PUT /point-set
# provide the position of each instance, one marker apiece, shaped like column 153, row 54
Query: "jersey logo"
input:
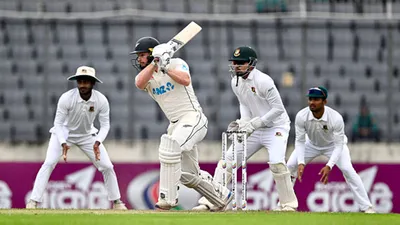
column 185, row 68
column 325, row 128
column 237, row 52
column 163, row 89
column 91, row 109
column 253, row 89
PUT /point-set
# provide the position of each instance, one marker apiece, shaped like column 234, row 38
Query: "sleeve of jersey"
column 338, row 134
column 147, row 86
column 104, row 119
column 61, row 115
column 274, row 100
column 300, row 141
column 182, row 66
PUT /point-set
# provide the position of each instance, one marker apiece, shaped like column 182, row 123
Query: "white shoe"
column 370, row 210
column 288, row 209
column 205, row 205
column 164, row 205
column 31, row 204
column 201, row 208
column 119, row 206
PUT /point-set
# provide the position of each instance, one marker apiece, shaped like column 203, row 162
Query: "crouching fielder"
column 320, row 131
column 264, row 118
column 73, row 124
column 167, row 81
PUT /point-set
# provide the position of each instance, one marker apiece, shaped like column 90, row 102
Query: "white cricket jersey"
column 174, row 99
column 76, row 116
column 258, row 97
column 323, row 133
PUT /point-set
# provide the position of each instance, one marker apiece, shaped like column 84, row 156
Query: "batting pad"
column 170, row 169
column 202, row 183
column 284, row 185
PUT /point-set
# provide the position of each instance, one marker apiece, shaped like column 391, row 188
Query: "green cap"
column 318, row 92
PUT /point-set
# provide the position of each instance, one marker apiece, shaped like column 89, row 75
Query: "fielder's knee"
column 348, row 172
column 105, row 167
column 278, row 168
column 49, row 164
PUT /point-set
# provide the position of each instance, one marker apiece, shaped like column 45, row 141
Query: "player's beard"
column 85, row 91
column 314, row 108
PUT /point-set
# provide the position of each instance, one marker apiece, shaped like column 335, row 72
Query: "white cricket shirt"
column 76, row 116
column 323, row 133
column 174, row 99
column 258, row 97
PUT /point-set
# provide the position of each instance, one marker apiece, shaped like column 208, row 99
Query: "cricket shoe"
column 205, row 205
column 31, row 204
column 162, row 204
column 370, row 210
column 119, row 205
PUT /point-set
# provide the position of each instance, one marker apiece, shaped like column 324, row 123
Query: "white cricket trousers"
column 344, row 164
column 54, row 152
column 188, row 131
column 273, row 139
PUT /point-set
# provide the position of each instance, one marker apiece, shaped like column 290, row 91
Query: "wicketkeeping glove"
column 250, row 126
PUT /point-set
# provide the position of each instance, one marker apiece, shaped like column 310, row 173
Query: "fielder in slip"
column 73, row 124
column 320, row 131
column 167, row 81
column 264, row 118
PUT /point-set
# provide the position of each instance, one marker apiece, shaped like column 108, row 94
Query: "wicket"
column 234, row 166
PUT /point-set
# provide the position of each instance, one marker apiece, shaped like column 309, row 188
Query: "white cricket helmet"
column 85, row 71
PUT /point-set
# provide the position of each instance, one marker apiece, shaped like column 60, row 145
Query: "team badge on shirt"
column 91, row 109
column 253, row 89
column 325, row 128
column 278, row 134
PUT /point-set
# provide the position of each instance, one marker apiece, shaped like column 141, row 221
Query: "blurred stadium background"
column 352, row 47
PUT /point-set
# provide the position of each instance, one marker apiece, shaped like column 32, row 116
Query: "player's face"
column 85, row 86
column 143, row 59
column 239, row 67
column 316, row 104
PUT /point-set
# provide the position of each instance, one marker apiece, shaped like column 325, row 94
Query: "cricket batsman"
column 167, row 80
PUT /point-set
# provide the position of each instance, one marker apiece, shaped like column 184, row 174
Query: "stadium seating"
column 348, row 57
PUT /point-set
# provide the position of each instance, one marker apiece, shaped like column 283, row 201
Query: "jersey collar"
column 323, row 118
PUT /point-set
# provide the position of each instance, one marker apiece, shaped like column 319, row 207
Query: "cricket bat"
column 184, row 36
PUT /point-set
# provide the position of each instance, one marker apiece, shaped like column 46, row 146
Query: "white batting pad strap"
column 219, row 172
column 170, row 169
column 284, row 185
column 212, row 191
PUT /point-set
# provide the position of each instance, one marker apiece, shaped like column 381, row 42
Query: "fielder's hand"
column 300, row 171
column 65, row 148
column 96, row 150
column 325, row 173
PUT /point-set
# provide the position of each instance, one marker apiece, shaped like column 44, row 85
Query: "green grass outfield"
column 131, row 217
